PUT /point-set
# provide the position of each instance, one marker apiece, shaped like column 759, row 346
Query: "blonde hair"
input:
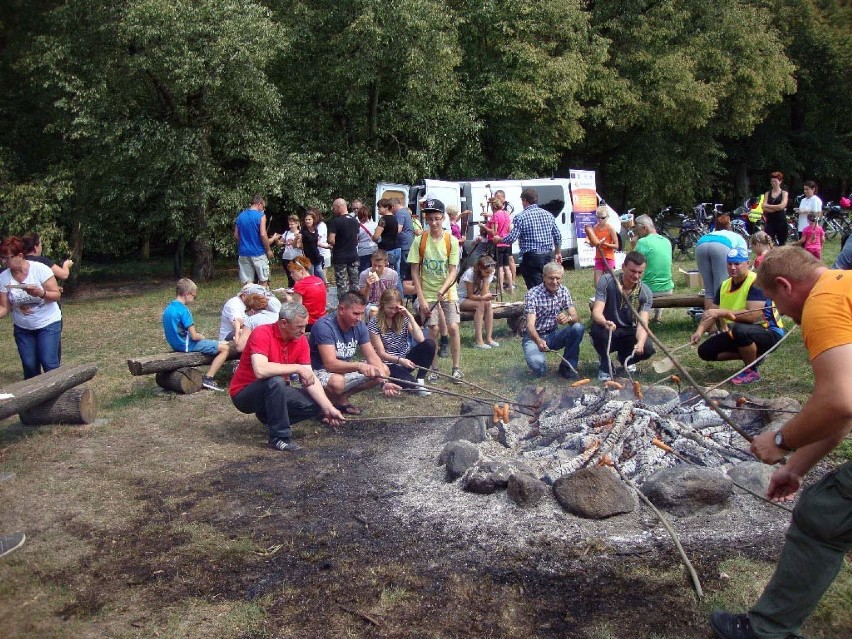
column 790, row 262
column 395, row 323
column 184, row 286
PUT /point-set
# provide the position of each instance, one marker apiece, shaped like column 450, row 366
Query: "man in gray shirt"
column 405, row 236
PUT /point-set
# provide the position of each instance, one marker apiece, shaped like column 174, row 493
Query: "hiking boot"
column 457, row 375
column 748, row 376
column 210, row 383
column 284, row 445
column 444, row 348
column 730, row 626
column 8, row 543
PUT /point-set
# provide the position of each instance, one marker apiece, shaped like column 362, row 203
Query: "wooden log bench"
column 55, row 397
column 174, row 371
column 512, row 312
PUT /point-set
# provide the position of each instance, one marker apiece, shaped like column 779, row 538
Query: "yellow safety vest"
column 756, row 213
column 736, row 300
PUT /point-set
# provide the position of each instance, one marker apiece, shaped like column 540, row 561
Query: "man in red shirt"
column 273, row 354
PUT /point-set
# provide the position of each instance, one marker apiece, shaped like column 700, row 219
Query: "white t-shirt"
column 31, row 313
column 810, row 204
column 468, row 277
column 290, row 251
column 233, row 309
column 322, row 237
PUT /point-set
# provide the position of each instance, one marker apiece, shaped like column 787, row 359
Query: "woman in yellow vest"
column 744, row 336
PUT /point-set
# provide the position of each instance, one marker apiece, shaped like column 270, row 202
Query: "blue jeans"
column 568, row 337
column 276, row 405
column 39, row 349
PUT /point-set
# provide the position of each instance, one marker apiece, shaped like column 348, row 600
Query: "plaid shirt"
column 546, row 306
column 535, row 229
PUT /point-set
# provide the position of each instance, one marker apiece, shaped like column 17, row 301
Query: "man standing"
column 820, row 534
column 749, row 334
column 434, row 262
column 405, row 236
column 273, row 353
column 343, row 238
column 253, row 243
column 615, row 323
column 538, row 237
column 334, row 341
column 658, row 257
column 548, row 307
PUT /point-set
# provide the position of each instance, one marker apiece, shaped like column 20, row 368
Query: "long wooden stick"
column 441, row 391
column 482, row 388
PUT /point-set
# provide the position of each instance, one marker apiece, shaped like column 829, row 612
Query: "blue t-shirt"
column 326, row 330
column 177, row 319
column 248, row 226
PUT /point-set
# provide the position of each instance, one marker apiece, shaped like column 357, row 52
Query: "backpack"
column 423, row 239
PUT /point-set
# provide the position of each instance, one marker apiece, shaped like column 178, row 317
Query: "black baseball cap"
column 431, row 204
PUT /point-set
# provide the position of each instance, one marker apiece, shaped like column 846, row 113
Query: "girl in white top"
column 29, row 291
column 475, row 295
column 809, row 204
column 291, row 240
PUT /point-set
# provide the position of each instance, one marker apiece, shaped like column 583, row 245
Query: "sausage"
column 590, row 236
column 613, row 384
column 637, row 390
column 580, row 382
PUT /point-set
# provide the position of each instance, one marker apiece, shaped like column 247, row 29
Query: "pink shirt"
column 814, row 236
column 501, row 224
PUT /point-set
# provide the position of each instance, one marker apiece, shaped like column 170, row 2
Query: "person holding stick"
column 820, row 533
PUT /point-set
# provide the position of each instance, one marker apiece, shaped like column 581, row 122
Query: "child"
column 812, row 237
column 374, row 281
column 608, row 241
column 760, row 244
column 182, row 336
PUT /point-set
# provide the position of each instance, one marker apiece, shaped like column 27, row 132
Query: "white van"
column 554, row 195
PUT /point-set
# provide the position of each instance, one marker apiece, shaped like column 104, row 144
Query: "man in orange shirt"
column 820, row 535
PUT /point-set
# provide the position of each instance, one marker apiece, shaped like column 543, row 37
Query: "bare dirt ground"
column 173, row 520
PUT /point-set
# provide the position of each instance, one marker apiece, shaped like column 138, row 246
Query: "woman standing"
column 291, row 240
column 391, row 330
column 711, row 254
column 366, row 245
column 475, row 295
column 29, row 290
column 310, row 243
column 811, row 203
column 774, row 207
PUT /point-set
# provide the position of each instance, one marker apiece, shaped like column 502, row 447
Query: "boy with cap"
column 434, row 262
column 752, row 325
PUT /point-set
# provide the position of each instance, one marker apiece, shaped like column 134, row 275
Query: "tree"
column 170, row 111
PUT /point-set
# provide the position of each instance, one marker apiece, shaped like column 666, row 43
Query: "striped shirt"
column 546, row 306
column 535, row 230
column 396, row 344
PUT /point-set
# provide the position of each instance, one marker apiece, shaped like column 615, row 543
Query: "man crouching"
column 275, row 352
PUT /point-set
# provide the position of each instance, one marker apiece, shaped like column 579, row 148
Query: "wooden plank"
column 38, row 390
column 168, row 362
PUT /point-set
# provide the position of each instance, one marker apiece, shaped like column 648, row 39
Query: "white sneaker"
column 485, row 347
column 494, row 344
column 421, row 392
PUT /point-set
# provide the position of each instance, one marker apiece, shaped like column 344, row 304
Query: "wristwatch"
column 779, row 440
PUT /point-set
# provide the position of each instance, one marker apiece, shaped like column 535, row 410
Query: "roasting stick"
column 483, row 389
column 692, row 574
column 657, row 342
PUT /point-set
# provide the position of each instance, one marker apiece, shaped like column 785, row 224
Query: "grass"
column 105, row 506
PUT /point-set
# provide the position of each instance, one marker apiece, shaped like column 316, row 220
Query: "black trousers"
column 532, row 265
column 276, row 404
column 623, row 341
column 421, row 354
column 741, row 335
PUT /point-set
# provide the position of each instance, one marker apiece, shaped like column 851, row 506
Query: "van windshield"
column 551, row 198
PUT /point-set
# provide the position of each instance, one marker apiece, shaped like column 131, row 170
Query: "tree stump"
column 37, row 390
column 75, row 406
column 184, row 380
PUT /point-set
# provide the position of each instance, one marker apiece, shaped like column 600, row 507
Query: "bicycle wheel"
column 686, row 242
column 831, row 229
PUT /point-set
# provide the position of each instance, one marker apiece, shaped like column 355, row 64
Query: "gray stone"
column 458, row 457
column 753, row 475
column 594, row 493
column 776, row 419
column 525, row 490
column 683, row 489
column 486, row 477
column 510, row 434
column 472, row 429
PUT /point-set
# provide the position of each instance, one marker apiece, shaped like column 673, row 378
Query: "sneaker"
column 730, row 626
column 210, row 383
column 604, row 376
column 631, row 368
column 284, row 445
column 566, row 373
column 8, row 543
column 494, row 344
column 484, row 347
column 748, row 376
column 432, row 376
column 457, row 374
column 422, row 392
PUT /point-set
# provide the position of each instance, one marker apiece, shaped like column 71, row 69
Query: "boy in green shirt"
column 434, row 260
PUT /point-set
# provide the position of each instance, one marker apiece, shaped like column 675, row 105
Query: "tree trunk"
column 38, row 390
column 183, row 380
column 168, row 362
column 74, row 406
column 146, row 246
column 76, row 249
column 202, row 253
column 180, row 253
column 742, row 186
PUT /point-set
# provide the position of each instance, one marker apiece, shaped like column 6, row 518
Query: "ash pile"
column 676, row 449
